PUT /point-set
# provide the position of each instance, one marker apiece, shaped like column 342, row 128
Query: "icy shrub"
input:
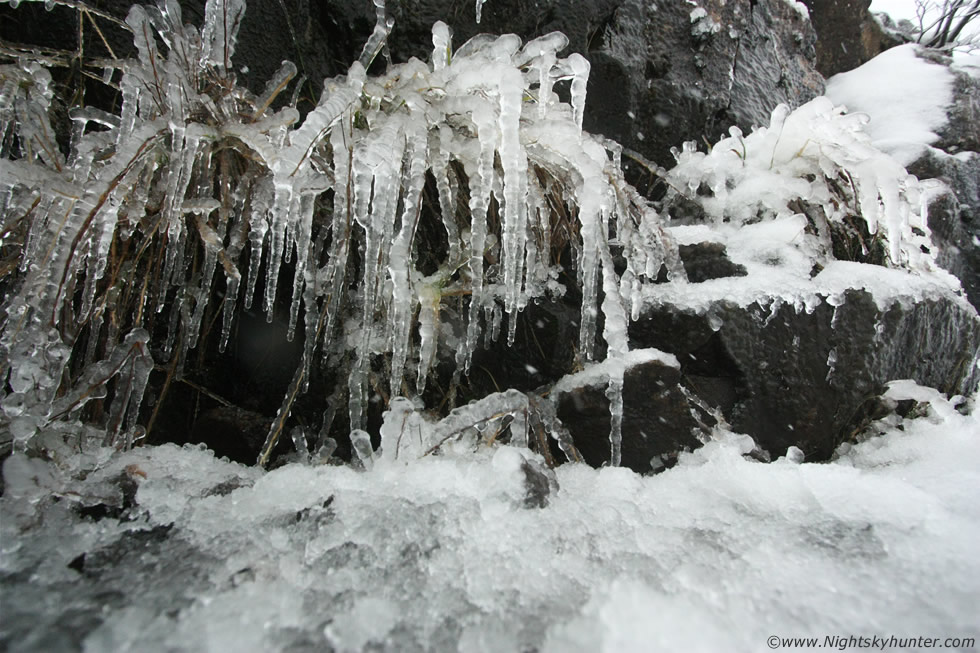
column 860, row 204
column 123, row 252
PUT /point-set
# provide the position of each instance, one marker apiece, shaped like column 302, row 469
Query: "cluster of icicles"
column 195, row 174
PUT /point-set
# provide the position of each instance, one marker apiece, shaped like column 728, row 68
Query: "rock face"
column 954, row 216
column 690, row 73
column 847, row 34
column 796, row 378
column 662, row 72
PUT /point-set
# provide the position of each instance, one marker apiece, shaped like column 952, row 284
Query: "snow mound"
column 720, row 552
column 902, row 122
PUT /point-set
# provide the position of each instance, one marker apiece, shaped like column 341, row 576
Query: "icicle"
column 212, row 246
column 615, row 320
column 375, row 202
column 442, row 45
column 397, row 442
column 518, row 428
column 298, row 436
column 130, row 387
column 588, row 271
column 361, row 443
column 303, row 231
column 514, row 205
column 222, row 18
column 400, row 267
column 284, row 206
column 480, row 185
column 184, row 151
column 262, row 199
column 429, row 301
column 439, row 143
column 541, row 54
column 479, row 10
column 614, row 393
column 382, row 28
column 580, row 80
column 334, row 272
column 232, row 281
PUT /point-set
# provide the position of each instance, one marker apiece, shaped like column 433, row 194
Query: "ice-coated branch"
column 146, row 226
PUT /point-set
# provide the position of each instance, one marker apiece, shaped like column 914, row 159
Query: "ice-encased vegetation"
column 816, row 161
column 157, row 220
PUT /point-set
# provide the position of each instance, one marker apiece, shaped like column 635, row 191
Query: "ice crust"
column 718, row 553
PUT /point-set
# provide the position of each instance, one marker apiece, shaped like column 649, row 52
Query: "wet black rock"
column 662, row 73
column 149, row 571
column 847, row 34
column 795, row 378
column 962, row 130
column 661, row 417
column 704, row 261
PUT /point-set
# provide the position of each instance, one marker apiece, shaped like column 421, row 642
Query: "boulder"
column 662, row 73
column 847, row 34
column 661, row 416
column 705, row 261
column 792, row 375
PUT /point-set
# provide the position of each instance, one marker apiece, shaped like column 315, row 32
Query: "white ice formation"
column 816, row 162
column 148, row 220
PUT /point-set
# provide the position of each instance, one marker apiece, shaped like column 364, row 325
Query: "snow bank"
column 719, row 553
column 904, row 95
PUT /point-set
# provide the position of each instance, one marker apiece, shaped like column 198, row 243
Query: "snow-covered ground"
column 718, row 553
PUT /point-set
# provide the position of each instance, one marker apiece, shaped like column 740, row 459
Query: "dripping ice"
column 357, row 297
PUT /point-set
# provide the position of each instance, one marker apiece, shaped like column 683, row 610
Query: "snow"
column 901, row 123
column 799, row 7
column 777, row 272
column 718, row 553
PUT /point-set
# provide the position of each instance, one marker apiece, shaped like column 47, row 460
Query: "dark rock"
column 661, row 417
column 232, row 432
column 954, row 216
column 131, row 545
column 657, row 77
column 121, row 501
column 847, row 34
column 151, row 571
column 791, row 378
column 704, row 261
column 962, row 130
column 672, row 79
column 540, row 483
